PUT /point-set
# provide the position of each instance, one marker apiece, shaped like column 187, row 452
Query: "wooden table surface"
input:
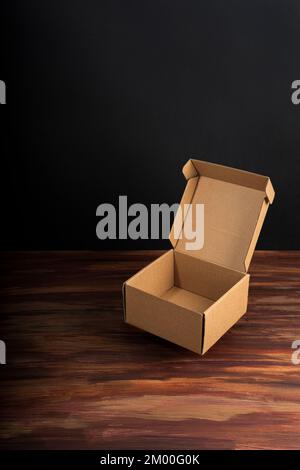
column 78, row 377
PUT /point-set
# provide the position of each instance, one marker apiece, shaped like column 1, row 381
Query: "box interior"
column 185, row 281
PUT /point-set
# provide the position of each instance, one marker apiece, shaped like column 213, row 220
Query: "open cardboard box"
column 193, row 297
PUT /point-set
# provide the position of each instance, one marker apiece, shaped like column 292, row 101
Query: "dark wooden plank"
column 78, row 377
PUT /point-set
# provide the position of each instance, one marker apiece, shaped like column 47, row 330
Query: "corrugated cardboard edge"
column 270, row 193
column 124, row 300
column 189, row 170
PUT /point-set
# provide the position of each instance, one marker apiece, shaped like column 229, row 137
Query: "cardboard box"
column 193, row 297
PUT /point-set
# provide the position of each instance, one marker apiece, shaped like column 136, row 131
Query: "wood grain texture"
column 78, row 377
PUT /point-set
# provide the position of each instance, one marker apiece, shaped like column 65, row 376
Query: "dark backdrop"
column 111, row 97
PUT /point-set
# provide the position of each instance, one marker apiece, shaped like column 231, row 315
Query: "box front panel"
column 164, row 319
column 224, row 313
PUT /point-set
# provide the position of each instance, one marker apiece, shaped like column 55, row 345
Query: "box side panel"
column 259, row 224
column 187, row 197
column 231, row 175
column 157, row 276
column 202, row 277
column 224, row 313
column 164, row 319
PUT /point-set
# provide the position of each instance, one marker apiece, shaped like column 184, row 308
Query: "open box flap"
column 235, row 205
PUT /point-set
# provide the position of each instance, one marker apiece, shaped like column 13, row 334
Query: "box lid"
column 235, row 205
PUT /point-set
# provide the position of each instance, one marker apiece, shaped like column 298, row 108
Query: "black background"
column 112, row 97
